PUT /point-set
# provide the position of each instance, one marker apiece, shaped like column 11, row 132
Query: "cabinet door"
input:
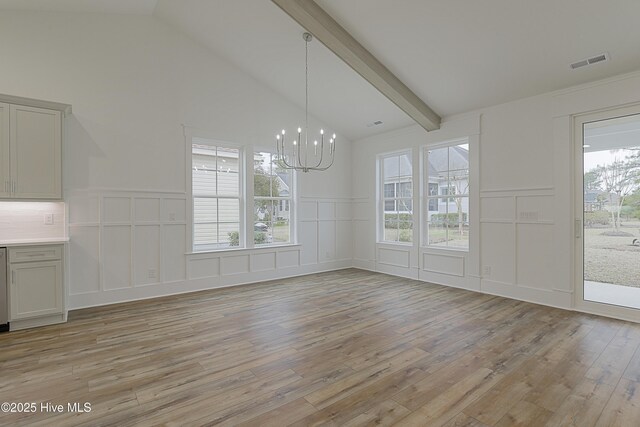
column 5, row 160
column 36, row 289
column 36, row 152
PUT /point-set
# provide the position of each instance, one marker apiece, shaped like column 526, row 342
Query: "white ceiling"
column 457, row 55
column 137, row 7
column 259, row 38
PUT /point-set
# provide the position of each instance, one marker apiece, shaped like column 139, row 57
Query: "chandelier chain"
column 306, row 88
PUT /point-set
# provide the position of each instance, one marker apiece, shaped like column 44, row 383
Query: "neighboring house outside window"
column 216, row 195
column 448, row 175
column 272, row 188
column 397, row 197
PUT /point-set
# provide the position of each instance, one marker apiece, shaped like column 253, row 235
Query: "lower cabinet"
column 36, row 286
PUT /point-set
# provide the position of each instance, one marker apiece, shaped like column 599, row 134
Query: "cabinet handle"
column 6, row 186
column 13, row 277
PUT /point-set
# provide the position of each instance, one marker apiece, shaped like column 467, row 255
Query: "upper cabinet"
column 5, row 160
column 30, row 149
column 36, row 152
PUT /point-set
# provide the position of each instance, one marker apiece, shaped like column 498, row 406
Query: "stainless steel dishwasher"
column 4, row 299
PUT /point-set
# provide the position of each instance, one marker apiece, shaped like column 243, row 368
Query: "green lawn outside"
column 437, row 236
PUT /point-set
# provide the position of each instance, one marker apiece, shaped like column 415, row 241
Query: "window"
column 448, row 175
column 216, row 194
column 394, row 191
column 272, row 189
column 397, row 193
column 432, row 190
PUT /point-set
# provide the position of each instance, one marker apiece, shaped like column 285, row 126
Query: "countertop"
column 30, row 242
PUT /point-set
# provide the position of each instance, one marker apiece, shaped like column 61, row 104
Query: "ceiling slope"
column 265, row 42
column 315, row 20
column 457, row 55
column 135, row 7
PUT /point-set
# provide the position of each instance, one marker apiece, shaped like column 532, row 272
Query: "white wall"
column 133, row 82
column 523, row 240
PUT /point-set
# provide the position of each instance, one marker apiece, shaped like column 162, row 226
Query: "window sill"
column 406, row 244
column 257, row 248
column 444, row 249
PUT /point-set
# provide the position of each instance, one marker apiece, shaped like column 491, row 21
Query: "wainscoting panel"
column 535, row 209
column 497, row 209
column 326, row 240
column 519, row 255
column 174, row 242
column 286, row 259
column 535, row 261
column 525, row 293
column 326, row 211
column 127, row 245
column 364, row 241
column 497, row 252
column 344, row 242
column 174, row 210
column 201, row 267
column 361, row 210
column 452, row 265
column 263, row 261
column 116, row 210
column 308, row 210
column 84, row 209
column 234, row 264
column 116, row 256
column 147, row 210
column 396, row 257
column 344, row 211
column 84, row 256
column 146, row 254
column 308, row 235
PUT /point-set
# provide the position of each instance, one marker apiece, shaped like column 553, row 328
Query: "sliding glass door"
column 608, row 234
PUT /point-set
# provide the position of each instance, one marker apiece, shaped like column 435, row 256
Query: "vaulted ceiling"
column 456, row 55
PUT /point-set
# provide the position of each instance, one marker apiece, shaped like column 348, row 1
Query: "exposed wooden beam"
column 314, row 19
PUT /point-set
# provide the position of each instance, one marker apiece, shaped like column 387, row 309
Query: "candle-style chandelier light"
column 302, row 154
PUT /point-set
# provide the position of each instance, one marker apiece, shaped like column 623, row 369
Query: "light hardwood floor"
column 345, row 348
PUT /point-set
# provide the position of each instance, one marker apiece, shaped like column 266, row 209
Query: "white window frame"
column 190, row 135
column 291, row 199
column 380, row 205
column 426, row 197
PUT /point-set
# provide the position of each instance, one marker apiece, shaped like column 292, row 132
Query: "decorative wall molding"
column 448, row 264
column 128, row 245
column 396, row 257
column 528, row 294
column 523, row 191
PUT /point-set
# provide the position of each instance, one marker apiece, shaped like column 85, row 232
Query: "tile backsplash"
column 26, row 220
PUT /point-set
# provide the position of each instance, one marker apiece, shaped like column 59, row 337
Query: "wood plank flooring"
column 346, row 348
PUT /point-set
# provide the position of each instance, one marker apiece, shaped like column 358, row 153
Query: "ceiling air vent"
column 598, row 58
column 376, row 123
column 590, row 61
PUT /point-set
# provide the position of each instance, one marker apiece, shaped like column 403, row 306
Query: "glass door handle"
column 578, row 226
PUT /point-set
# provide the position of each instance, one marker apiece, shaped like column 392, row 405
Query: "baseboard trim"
column 17, row 325
column 116, row 296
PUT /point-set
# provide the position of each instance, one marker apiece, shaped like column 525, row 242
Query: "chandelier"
column 302, row 154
